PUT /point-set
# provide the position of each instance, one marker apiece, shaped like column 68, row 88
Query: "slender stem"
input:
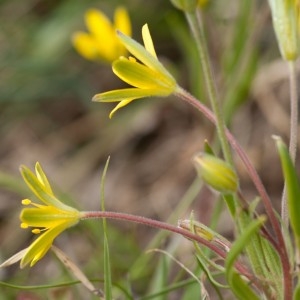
column 196, row 26
column 282, row 251
column 165, row 226
column 293, row 134
column 294, row 110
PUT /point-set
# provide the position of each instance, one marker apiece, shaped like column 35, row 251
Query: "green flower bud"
column 216, row 173
column 185, row 5
column 285, row 16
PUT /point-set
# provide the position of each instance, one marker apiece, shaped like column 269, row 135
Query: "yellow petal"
column 40, row 246
column 98, row 23
column 143, row 55
column 143, row 77
column 148, row 40
column 42, row 177
column 48, row 216
column 85, row 45
column 122, row 21
column 104, row 33
column 121, row 104
column 126, row 94
column 41, row 191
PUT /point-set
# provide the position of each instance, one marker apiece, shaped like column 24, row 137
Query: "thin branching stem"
column 282, row 251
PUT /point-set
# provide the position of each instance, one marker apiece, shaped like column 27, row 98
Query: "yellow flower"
column 48, row 219
column 149, row 77
column 102, row 43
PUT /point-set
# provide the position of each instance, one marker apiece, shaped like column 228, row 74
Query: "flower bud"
column 202, row 3
column 285, row 16
column 216, row 173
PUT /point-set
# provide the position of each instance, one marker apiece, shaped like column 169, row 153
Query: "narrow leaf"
column 292, row 186
column 240, row 288
column 107, row 267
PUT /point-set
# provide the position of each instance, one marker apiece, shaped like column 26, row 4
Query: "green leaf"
column 159, row 280
column 292, row 186
column 107, row 270
column 107, row 267
column 239, row 287
column 296, row 295
column 208, row 149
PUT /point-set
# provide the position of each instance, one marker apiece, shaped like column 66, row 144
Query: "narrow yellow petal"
column 85, row 45
column 97, row 23
column 40, row 246
column 122, row 21
column 141, row 76
column 148, row 40
column 42, row 177
column 125, row 94
column 104, row 33
column 121, row 104
column 143, row 55
column 40, row 191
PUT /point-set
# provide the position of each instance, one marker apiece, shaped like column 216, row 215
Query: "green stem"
column 294, row 111
column 196, row 25
column 293, row 133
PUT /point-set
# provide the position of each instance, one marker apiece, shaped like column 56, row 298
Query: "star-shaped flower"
column 145, row 72
column 48, row 219
column 101, row 43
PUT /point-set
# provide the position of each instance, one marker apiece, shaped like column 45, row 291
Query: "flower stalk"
column 293, row 133
column 280, row 244
column 168, row 227
column 196, row 25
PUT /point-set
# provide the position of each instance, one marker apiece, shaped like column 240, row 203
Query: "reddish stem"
column 171, row 228
column 281, row 247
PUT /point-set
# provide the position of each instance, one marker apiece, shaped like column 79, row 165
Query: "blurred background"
column 46, row 115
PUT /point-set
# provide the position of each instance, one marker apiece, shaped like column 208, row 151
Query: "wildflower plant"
column 262, row 260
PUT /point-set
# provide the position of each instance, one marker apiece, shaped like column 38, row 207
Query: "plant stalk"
column 281, row 246
column 171, row 228
column 293, row 134
column 196, row 26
